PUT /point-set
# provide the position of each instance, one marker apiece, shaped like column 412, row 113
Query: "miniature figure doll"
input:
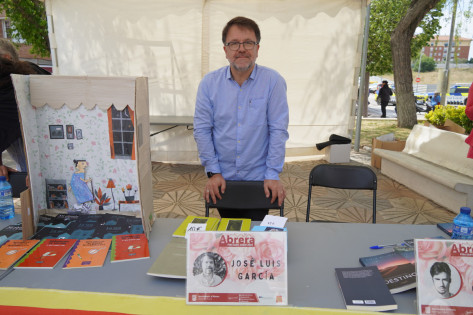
column 79, row 187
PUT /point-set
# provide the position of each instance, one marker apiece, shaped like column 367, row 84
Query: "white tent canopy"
column 314, row 44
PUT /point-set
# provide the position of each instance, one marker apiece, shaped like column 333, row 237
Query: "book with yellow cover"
column 13, row 250
column 230, row 224
column 88, row 253
column 212, row 224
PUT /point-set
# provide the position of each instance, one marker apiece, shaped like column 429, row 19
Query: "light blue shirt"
column 241, row 132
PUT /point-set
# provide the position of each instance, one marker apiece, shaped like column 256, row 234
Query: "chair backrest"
column 343, row 177
column 244, row 195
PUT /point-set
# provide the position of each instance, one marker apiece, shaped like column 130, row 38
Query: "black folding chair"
column 343, row 177
column 245, row 195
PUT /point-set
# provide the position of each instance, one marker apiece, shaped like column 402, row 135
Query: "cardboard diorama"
column 87, row 144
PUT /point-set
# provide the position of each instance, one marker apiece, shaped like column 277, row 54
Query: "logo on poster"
column 236, row 241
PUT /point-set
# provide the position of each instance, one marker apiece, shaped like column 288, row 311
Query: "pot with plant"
column 129, row 188
column 101, row 199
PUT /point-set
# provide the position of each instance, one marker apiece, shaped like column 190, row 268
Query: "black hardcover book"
column 50, row 232
column 364, row 289
column 11, row 232
column 108, row 231
column 82, row 230
column 446, row 227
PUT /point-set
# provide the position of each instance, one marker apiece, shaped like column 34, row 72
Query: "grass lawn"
column 374, row 128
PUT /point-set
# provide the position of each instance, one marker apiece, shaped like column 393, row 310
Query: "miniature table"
column 314, row 250
column 125, row 202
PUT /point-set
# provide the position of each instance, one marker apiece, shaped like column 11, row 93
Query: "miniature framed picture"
column 79, row 134
column 70, row 131
column 56, row 131
column 70, row 146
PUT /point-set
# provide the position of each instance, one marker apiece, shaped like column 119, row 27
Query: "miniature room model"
column 81, row 143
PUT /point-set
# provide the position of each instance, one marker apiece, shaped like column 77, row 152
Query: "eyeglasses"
column 248, row 45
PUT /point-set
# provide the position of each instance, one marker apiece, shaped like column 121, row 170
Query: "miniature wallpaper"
column 69, row 158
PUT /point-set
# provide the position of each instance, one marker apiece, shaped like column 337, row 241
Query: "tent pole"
column 362, row 88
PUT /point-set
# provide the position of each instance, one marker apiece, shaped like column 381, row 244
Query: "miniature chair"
column 245, row 195
column 343, row 177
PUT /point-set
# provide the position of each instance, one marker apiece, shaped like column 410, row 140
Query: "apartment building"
column 438, row 46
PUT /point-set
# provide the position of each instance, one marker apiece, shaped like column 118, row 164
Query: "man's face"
column 241, row 59
column 208, row 265
column 441, row 283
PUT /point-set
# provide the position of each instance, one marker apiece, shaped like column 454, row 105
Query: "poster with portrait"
column 444, row 276
column 237, row 268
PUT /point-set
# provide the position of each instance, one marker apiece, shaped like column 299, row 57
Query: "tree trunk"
column 401, row 52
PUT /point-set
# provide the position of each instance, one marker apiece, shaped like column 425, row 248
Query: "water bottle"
column 463, row 225
column 7, row 210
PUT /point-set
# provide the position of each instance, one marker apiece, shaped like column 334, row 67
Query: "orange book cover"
column 46, row 254
column 13, row 250
column 129, row 247
column 88, row 253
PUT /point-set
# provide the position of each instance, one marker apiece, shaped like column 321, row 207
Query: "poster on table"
column 87, row 145
column 444, row 276
column 237, row 268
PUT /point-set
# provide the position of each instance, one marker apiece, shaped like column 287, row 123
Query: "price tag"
column 195, row 227
column 274, row 221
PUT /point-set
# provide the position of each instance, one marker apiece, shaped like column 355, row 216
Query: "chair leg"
column 308, row 203
column 374, row 206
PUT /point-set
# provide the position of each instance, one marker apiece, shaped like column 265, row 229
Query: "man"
column 385, row 93
column 441, row 278
column 241, row 119
column 435, row 100
column 10, row 131
column 208, row 277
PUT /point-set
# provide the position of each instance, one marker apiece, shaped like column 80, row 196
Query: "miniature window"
column 122, row 133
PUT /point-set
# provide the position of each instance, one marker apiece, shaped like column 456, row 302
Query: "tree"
column 384, row 18
column 427, row 64
column 401, row 47
column 29, row 24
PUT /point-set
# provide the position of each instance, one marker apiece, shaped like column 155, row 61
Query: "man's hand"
column 212, row 188
column 4, row 171
column 275, row 189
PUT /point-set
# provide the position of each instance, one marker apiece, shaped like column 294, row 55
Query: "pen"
column 387, row 245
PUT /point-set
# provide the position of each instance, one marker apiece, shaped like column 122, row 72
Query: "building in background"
column 23, row 50
column 438, row 46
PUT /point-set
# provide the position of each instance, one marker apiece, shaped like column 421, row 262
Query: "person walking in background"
column 469, row 114
column 385, row 93
column 10, row 130
column 241, row 120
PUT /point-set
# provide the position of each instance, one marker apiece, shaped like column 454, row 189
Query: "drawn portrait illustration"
column 79, row 187
column 209, row 269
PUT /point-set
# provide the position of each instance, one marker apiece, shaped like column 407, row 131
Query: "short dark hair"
column 385, row 81
column 439, row 267
column 244, row 23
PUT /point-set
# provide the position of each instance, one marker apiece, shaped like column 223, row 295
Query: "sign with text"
column 237, row 268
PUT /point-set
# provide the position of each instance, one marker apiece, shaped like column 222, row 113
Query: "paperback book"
column 237, row 268
column 446, row 227
column 171, row 262
column 444, row 276
column 46, row 254
column 13, row 250
column 211, row 224
column 227, row 224
column 88, row 253
column 129, row 247
column 364, row 289
column 11, row 232
column 398, row 272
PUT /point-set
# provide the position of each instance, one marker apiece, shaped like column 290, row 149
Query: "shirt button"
column 239, row 125
column 238, row 141
column 239, row 107
column 238, row 157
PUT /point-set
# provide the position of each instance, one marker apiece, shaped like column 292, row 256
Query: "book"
column 13, row 250
column 50, row 233
column 11, row 232
column 212, row 224
column 227, row 224
column 171, row 262
column 261, row 228
column 446, row 227
column 444, row 276
column 236, row 268
column 46, row 254
column 88, row 253
column 398, row 272
column 364, row 289
column 129, row 247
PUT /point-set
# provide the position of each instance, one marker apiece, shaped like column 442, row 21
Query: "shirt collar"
column 252, row 75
